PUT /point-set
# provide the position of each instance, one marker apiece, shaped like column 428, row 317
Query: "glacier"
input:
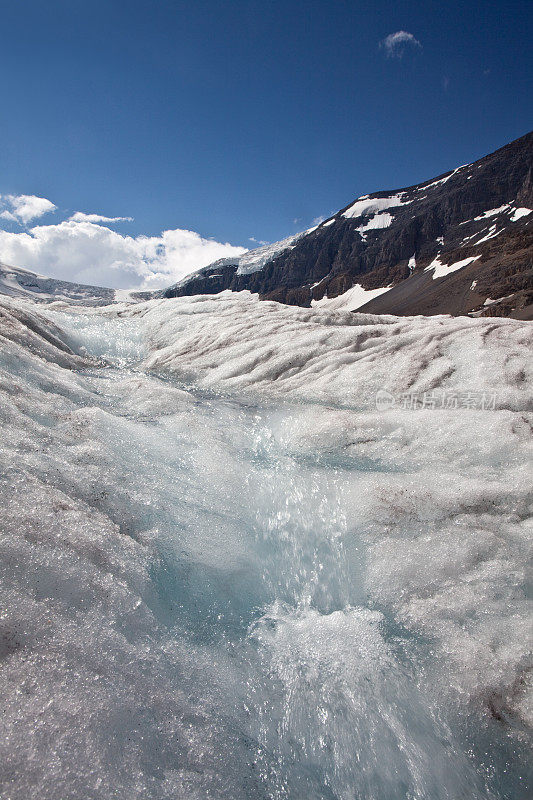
column 226, row 572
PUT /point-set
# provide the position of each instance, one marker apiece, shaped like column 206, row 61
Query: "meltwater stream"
column 252, row 661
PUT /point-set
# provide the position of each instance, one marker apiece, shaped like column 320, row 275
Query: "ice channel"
column 195, row 603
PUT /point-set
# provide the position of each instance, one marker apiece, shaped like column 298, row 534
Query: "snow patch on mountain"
column 492, row 233
column 440, row 270
column 368, row 207
column 518, row 213
column 378, row 222
column 492, row 212
column 350, row 300
column 515, row 213
column 442, row 181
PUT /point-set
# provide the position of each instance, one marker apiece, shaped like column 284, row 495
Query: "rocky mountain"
column 461, row 243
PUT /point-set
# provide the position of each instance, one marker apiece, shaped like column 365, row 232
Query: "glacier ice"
column 226, row 574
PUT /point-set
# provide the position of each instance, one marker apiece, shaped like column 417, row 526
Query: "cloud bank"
column 395, row 44
column 83, row 249
column 23, row 208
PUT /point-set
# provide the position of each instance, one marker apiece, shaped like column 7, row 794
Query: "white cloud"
column 395, row 44
column 79, row 216
column 23, row 208
column 260, row 242
column 318, row 220
column 81, row 250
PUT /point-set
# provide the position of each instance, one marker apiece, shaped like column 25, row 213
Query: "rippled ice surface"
column 192, row 605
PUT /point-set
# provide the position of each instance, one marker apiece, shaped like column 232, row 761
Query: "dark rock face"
column 372, row 242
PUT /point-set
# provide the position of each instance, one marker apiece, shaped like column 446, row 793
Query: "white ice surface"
column 225, row 574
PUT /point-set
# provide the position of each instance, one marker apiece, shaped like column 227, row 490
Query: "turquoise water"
column 291, row 679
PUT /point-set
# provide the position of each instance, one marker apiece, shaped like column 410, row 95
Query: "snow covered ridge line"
column 252, row 261
column 17, row 282
column 23, row 284
column 442, row 181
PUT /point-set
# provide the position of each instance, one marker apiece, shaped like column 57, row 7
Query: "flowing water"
column 254, row 662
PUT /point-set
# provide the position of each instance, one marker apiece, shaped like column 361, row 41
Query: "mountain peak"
column 460, row 243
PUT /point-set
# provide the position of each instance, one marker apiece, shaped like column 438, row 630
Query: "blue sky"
column 246, row 119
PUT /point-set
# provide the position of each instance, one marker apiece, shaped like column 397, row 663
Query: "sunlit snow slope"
column 227, row 574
